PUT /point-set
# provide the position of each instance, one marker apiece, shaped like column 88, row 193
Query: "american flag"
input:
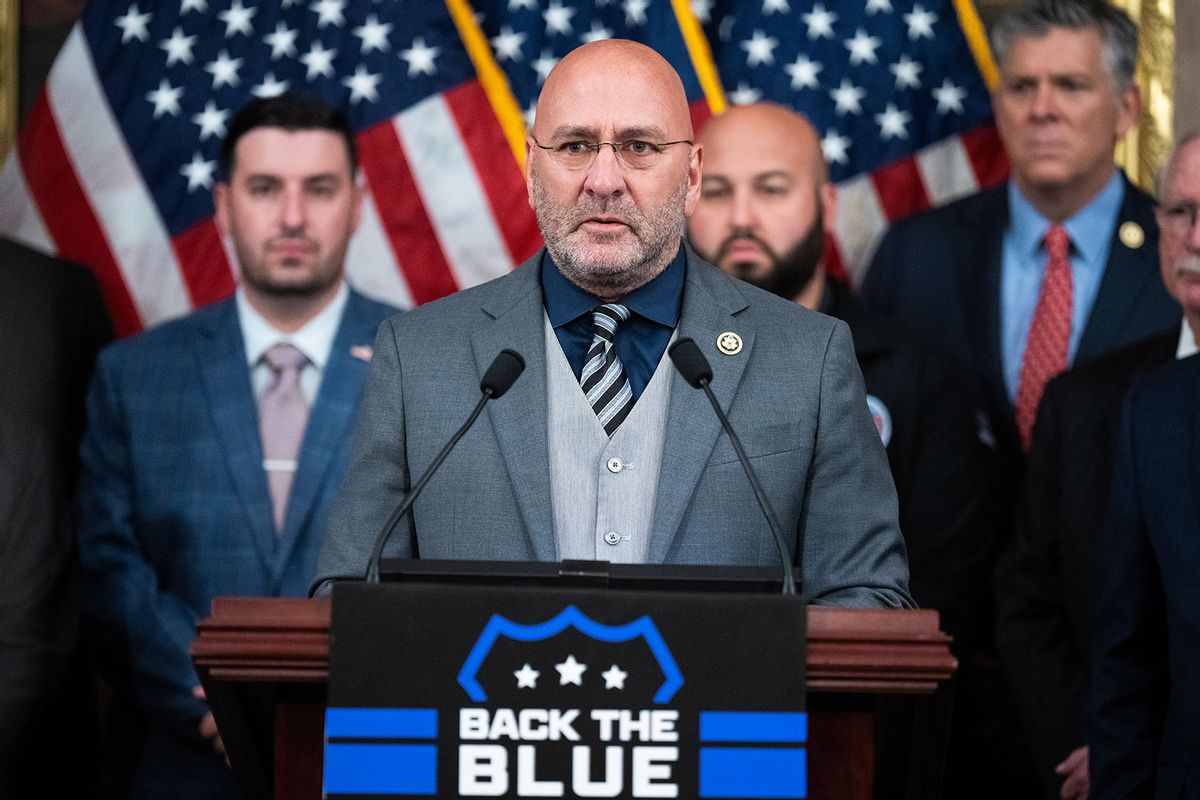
column 114, row 166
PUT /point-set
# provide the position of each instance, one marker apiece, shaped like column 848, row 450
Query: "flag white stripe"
column 946, row 171
column 106, row 171
column 452, row 194
column 371, row 264
column 859, row 225
column 19, row 217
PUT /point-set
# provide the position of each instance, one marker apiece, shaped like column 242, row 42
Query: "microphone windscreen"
column 506, row 367
column 690, row 362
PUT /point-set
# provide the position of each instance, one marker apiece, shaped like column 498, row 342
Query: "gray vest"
column 602, row 490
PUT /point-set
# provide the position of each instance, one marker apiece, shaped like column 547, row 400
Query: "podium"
column 264, row 665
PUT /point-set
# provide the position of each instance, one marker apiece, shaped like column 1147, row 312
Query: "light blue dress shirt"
column 1024, row 264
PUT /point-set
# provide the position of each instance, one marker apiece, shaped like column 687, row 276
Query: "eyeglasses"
column 631, row 153
column 1176, row 218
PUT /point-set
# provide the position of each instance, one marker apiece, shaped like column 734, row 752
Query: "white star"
column 949, row 97
column 178, row 47
column 875, row 6
column 776, row 7
column 224, row 70
column 614, row 678
column 531, row 5
column 543, row 65
column 819, row 22
column 165, row 99
column 193, row 5
column 804, row 72
column 892, row 122
column 211, row 121
column 570, row 671
column 760, row 49
column 507, row 44
column 199, row 173
column 530, row 114
column 329, row 12
column 420, row 57
column 907, row 72
column 862, row 48
column 374, row 34
column 282, row 41
column 848, row 97
column 834, row 147
column 133, row 25
column 362, row 85
column 527, row 677
column 558, row 18
column 270, row 86
column 744, row 95
column 597, row 33
column 920, row 22
column 703, row 10
column 318, row 60
column 237, row 19
column 635, row 11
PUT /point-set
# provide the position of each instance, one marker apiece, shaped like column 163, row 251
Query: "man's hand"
column 208, row 725
column 1074, row 770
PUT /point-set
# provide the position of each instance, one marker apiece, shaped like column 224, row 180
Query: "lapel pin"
column 362, row 352
column 1132, row 235
column 729, row 343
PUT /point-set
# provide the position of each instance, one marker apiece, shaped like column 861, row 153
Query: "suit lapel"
column 519, row 418
column 980, row 292
column 710, row 302
column 1128, row 274
column 225, row 376
column 328, row 427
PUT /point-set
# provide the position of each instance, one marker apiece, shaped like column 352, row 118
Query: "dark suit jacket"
column 1044, row 579
column 53, row 322
column 1145, row 698
column 939, row 272
column 173, row 510
column 940, row 467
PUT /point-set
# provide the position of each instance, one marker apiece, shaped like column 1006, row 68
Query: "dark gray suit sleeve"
column 377, row 477
column 853, row 551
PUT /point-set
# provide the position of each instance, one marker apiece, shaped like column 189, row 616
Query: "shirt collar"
column 1090, row 228
column 658, row 301
column 315, row 339
column 1187, row 341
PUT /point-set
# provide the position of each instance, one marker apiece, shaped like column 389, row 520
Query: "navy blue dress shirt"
column 640, row 341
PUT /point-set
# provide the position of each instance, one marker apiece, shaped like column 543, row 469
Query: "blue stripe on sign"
column 753, row 726
column 753, row 772
column 381, row 723
column 380, row 769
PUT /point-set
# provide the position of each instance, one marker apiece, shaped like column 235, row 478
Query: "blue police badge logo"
column 881, row 417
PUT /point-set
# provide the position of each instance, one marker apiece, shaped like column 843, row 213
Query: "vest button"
column 612, row 538
column 615, row 465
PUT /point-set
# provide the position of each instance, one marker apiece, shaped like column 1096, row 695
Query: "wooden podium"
column 264, row 665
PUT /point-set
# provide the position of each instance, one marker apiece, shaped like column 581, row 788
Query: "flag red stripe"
column 67, row 213
column 402, row 214
column 986, row 154
column 900, row 188
column 202, row 260
column 499, row 173
column 700, row 113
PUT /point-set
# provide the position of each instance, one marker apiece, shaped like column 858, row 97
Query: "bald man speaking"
column 601, row 451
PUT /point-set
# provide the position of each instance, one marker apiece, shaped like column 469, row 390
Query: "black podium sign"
column 514, row 692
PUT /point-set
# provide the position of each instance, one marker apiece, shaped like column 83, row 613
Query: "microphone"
column 501, row 374
column 695, row 369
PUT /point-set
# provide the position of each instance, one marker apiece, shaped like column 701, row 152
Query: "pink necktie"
column 282, row 414
column 1049, row 335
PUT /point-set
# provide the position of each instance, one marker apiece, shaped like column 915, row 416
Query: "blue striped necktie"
column 603, row 379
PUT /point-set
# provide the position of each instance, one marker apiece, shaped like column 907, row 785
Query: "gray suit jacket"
column 794, row 394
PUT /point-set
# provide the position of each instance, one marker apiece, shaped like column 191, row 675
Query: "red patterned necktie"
column 1049, row 335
